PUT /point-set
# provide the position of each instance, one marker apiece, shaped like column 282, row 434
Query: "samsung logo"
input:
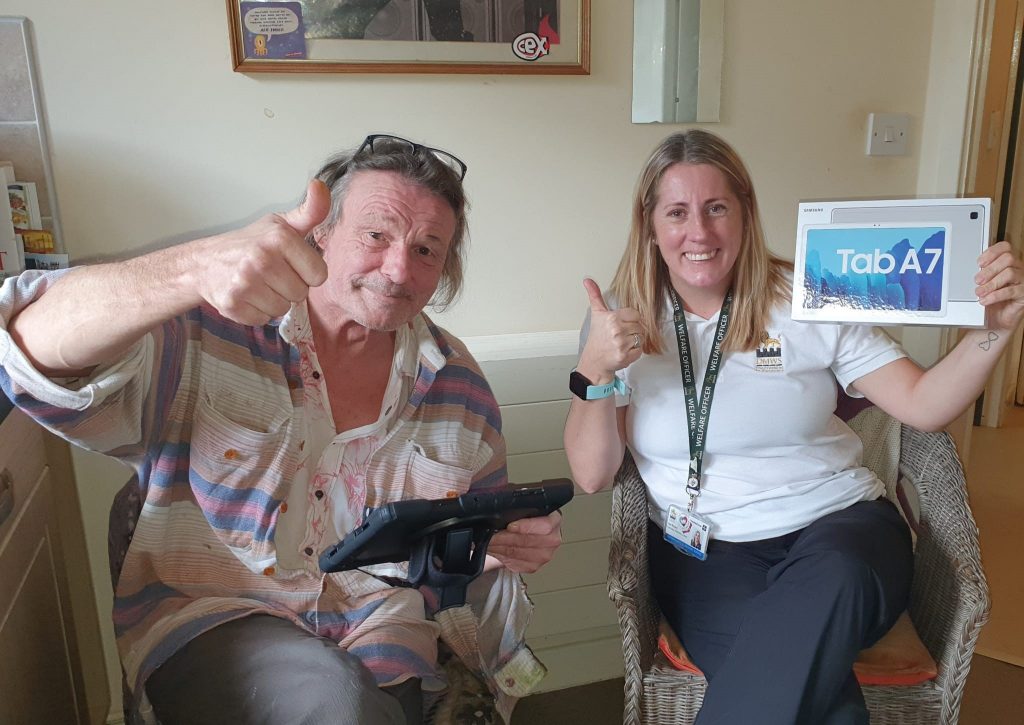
column 814, row 208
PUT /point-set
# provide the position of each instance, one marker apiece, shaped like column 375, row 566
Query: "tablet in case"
column 388, row 533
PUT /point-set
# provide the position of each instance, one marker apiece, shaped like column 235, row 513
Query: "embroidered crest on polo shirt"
column 769, row 354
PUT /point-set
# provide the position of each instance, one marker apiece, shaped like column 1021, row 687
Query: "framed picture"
column 410, row 36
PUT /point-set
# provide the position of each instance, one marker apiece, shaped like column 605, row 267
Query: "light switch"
column 888, row 134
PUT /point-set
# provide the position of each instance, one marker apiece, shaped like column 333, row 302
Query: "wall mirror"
column 677, row 60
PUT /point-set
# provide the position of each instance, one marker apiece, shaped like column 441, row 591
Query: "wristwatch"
column 583, row 389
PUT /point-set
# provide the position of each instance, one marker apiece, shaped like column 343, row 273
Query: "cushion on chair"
column 672, row 648
column 899, row 658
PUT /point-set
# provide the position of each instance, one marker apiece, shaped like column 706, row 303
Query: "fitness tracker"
column 583, row 389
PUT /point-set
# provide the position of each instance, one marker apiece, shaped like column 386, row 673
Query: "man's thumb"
column 594, row 293
column 313, row 209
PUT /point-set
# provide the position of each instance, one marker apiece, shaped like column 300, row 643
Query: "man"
column 267, row 384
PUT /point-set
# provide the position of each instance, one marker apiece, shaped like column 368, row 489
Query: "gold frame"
column 335, row 62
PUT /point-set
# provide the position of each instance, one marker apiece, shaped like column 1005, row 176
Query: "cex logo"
column 530, row 46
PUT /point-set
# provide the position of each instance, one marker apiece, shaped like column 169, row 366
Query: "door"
column 998, row 166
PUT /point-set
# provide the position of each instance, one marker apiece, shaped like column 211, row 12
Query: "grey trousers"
column 263, row 670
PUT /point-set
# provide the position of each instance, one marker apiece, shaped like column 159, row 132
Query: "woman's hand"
column 1000, row 287
column 615, row 338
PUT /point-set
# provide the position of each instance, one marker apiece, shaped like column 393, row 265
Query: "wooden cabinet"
column 51, row 664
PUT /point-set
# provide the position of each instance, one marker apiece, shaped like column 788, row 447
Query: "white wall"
column 155, row 138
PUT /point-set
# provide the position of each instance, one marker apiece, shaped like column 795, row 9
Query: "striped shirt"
column 214, row 418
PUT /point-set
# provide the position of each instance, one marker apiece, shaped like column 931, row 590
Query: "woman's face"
column 698, row 226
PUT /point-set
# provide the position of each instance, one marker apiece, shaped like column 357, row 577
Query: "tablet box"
column 902, row 262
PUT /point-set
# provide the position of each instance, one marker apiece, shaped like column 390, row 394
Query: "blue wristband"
column 594, row 392
column 583, row 388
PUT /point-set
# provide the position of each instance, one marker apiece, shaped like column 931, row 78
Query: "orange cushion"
column 899, row 658
column 674, row 651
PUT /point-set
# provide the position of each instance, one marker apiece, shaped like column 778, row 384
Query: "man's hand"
column 94, row 314
column 254, row 274
column 615, row 338
column 527, row 544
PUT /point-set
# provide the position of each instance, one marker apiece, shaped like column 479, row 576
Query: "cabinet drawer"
column 36, row 678
column 22, row 457
column 21, row 534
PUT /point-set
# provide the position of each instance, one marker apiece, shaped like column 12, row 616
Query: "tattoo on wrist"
column 986, row 345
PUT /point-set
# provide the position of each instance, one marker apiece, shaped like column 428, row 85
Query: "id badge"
column 688, row 532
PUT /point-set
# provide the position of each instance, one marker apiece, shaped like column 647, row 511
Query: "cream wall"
column 155, row 138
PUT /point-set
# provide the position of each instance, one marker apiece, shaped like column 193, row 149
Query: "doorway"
column 998, row 173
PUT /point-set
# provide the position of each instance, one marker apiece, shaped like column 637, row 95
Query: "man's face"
column 386, row 254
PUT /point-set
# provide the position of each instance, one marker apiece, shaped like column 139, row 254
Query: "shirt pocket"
column 429, row 478
column 239, row 475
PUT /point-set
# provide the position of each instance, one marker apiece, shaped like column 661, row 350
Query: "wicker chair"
column 949, row 598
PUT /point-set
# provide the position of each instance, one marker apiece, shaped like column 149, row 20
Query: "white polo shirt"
column 776, row 457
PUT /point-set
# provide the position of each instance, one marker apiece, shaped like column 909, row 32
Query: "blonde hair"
column 760, row 281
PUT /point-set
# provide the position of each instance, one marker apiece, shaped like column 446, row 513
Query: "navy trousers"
column 776, row 625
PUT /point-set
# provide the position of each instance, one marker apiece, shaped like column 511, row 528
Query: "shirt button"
column 316, row 375
column 451, row 494
column 510, row 682
column 319, row 494
column 269, row 571
column 308, row 550
column 231, row 454
column 284, row 507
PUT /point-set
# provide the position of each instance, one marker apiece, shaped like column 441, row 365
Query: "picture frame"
column 543, row 37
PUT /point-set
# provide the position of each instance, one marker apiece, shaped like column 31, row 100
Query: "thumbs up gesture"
column 254, row 274
column 615, row 340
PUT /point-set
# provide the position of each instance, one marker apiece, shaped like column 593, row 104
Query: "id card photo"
column 687, row 532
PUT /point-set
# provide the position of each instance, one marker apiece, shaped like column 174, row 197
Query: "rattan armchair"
column 949, row 600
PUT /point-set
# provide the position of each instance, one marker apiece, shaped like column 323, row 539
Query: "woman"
column 807, row 562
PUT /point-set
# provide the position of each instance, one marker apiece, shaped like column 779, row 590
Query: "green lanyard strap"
column 697, row 417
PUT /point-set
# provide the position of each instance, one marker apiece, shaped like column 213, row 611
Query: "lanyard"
column 697, row 417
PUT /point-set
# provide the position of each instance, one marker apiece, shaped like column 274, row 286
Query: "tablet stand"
column 449, row 559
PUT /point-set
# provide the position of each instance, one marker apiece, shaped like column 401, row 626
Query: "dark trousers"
column 776, row 625
column 263, row 670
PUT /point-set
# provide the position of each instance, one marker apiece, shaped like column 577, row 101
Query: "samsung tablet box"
column 905, row 262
